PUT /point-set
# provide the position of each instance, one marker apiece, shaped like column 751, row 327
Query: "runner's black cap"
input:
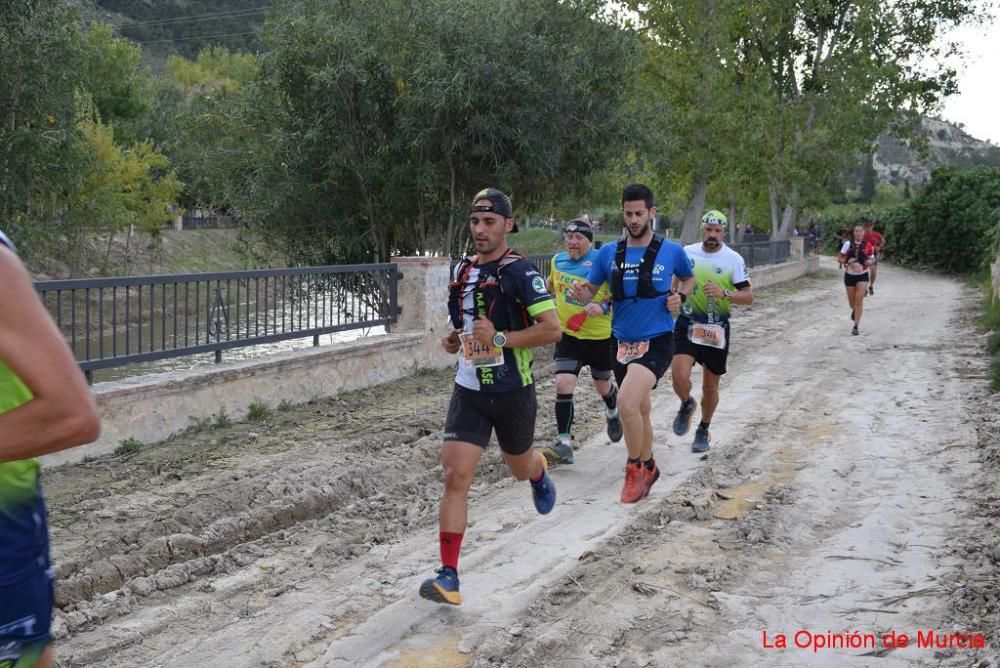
column 499, row 203
column 580, row 225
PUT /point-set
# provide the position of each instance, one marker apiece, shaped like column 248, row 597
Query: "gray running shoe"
column 615, row 429
column 559, row 452
column 855, row 331
column 701, row 440
column 682, row 423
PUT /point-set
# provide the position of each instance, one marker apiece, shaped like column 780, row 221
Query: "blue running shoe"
column 443, row 588
column 544, row 491
column 702, row 441
column 682, row 422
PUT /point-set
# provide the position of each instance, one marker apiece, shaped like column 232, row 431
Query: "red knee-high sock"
column 451, row 545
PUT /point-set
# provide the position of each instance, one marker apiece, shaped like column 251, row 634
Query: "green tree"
column 688, row 72
column 776, row 98
column 953, row 224
column 375, row 143
column 836, row 73
column 868, row 179
column 61, row 88
column 196, row 122
column 119, row 190
column 39, row 46
column 110, row 73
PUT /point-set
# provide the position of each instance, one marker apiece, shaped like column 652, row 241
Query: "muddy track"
column 361, row 469
column 300, row 540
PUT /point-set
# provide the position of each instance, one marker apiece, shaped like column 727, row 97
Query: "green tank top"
column 18, row 479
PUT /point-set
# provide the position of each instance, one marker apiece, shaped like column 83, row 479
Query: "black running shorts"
column 850, row 280
column 657, row 358
column 572, row 354
column 473, row 416
column 713, row 359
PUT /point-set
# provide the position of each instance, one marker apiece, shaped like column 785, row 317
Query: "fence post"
column 796, row 248
column 422, row 294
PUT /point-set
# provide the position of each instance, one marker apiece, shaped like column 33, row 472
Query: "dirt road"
column 849, row 488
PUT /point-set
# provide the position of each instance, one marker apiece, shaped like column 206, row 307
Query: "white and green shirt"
column 726, row 268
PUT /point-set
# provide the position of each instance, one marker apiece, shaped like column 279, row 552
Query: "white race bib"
column 631, row 351
column 479, row 355
column 713, row 336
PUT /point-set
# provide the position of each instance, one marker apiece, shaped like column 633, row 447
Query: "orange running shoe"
column 649, row 477
column 635, row 483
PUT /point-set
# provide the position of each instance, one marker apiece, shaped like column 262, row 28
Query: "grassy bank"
column 542, row 240
column 990, row 321
column 174, row 252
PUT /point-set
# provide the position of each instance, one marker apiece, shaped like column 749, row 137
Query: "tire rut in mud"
column 361, row 469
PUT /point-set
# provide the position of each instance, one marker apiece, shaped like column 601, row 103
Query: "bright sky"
column 977, row 105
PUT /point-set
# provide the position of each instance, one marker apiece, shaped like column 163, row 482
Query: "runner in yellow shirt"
column 586, row 339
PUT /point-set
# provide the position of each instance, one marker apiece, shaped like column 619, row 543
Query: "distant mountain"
column 947, row 144
column 184, row 27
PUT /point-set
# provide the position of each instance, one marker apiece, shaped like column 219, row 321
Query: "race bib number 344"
column 628, row 351
column 713, row 336
column 479, row 355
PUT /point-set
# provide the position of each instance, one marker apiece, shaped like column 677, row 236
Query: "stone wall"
column 796, row 248
column 773, row 274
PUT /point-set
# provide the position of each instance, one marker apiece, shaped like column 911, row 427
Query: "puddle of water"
column 443, row 655
column 739, row 500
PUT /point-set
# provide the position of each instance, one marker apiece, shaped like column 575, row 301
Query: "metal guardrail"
column 763, row 252
column 112, row 322
column 754, row 253
column 542, row 262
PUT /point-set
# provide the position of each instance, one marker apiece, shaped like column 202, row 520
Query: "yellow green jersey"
column 565, row 272
column 22, row 512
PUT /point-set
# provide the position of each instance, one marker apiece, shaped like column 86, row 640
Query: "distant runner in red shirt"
column 878, row 242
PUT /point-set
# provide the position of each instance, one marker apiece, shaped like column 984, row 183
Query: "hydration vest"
column 645, row 289
column 859, row 251
column 486, row 294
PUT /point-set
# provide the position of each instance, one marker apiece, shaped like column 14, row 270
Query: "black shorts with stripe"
column 473, row 416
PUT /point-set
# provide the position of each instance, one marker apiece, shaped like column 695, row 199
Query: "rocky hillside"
column 948, row 144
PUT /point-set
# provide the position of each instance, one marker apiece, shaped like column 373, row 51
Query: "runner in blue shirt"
column 639, row 270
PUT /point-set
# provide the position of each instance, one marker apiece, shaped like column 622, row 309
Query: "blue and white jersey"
column 638, row 318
